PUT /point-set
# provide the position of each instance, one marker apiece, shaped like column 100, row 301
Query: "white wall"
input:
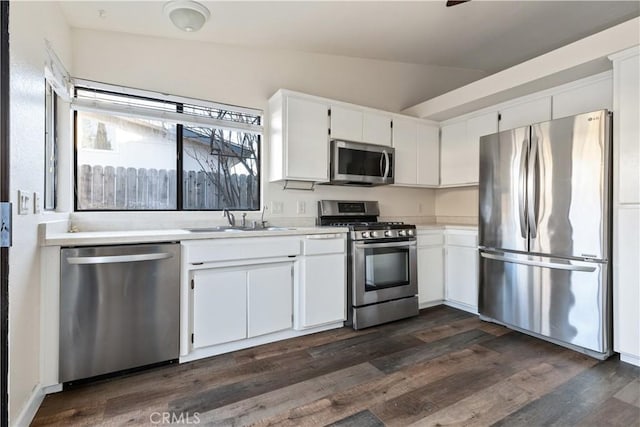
column 248, row 77
column 458, row 205
column 29, row 24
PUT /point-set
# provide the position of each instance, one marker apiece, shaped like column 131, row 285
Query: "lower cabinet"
column 461, row 269
column 430, row 268
column 322, row 291
column 448, row 268
column 232, row 304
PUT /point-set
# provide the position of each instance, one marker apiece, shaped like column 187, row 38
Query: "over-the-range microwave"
column 357, row 163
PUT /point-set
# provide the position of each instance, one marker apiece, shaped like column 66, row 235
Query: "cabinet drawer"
column 323, row 244
column 240, row 248
column 470, row 240
column 433, row 239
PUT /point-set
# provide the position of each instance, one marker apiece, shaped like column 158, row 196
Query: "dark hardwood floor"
column 444, row 367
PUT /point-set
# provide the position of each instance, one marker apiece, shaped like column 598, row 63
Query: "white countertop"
column 85, row 238
column 447, row 227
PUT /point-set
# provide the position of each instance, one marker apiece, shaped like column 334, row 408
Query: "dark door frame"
column 4, row 197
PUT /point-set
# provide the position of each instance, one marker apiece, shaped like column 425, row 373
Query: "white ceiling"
column 484, row 35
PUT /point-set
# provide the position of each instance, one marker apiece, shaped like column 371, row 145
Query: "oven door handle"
column 408, row 243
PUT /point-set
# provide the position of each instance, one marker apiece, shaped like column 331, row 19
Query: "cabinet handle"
column 117, row 258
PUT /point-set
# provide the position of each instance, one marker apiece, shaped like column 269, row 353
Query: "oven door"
column 383, row 271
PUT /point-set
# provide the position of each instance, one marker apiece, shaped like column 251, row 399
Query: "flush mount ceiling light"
column 187, row 15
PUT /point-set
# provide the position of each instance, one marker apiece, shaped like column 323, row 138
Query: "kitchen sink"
column 234, row 229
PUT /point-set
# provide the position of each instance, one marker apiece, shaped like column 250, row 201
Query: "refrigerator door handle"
column 522, row 189
column 552, row 265
column 532, row 188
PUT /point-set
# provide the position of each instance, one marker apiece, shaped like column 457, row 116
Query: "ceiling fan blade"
column 455, row 2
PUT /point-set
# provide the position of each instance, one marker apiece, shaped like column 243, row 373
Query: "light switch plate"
column 23, row 202
column 36, row 202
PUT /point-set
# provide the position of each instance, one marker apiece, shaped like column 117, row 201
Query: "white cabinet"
column 626, row 205
column 428, row 155
column 461, row 269
column 526, row 113
column 478, row 126
column 219, row 307
column 299, row 141
column 355, row 124
column 417, row 152
column 455, row 155
column 460, row 149
column 231, row 304
column 322, row 290
column 269, row 299
column 596, row 95
column 430, row 256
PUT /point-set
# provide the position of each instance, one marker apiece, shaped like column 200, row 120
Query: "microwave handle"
column 385, row 155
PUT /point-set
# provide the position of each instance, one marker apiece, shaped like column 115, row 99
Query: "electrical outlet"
column 23, row 202
column 302, row 207
column 36, row 202
column 276, row 208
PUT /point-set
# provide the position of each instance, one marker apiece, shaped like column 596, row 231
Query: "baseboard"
column 460, row 306
column 30, row 408
column 631, row 359
column 430, row 304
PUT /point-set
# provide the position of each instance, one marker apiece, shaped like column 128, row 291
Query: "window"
column 50, row 148
column 139, row 153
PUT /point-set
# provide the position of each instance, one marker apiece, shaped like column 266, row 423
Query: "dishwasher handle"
column 118, row 258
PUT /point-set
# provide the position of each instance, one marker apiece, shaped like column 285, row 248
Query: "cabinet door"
column 323, row 290
column 346, row 123
column 626, row 278
column 462, row 275
column 428, row 154
column 430, row 274
column 538, row 110
column 628, row 127
column 307, row 149
column 404, row 142
column 454, row 154
column 269, row 299
column 376, row 128
column 219, row 306
column 583, row 99
column 478, row 126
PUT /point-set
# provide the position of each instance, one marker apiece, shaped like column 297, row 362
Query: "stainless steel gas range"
column 382, row 281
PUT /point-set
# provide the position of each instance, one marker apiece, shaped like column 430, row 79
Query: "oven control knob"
column 388, row 233
column 410, row 233
column 402, row 233
column 365, row 234
column 375, row 234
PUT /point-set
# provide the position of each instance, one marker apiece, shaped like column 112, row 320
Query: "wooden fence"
column 120, row 188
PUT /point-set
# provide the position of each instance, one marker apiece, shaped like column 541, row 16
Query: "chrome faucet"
column 232, row 219
column 244, row 219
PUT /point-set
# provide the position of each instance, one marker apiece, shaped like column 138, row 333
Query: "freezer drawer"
column 565, row 300
column 119, row 308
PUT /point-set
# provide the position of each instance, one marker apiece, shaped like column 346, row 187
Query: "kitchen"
column 97, row 53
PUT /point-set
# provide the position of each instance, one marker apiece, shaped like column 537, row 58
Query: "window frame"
column 50, row 148
column 179, row 102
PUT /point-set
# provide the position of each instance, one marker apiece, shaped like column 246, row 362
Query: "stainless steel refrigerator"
column 544, row 227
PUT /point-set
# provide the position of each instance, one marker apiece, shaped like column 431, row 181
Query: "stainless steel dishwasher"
column 119, row 308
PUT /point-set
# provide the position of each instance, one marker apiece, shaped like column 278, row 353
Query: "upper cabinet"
column 417, row 152
column 526, row 113
column 299, row 128
column 597, row 95
column 459, row 147
column 355, row 124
